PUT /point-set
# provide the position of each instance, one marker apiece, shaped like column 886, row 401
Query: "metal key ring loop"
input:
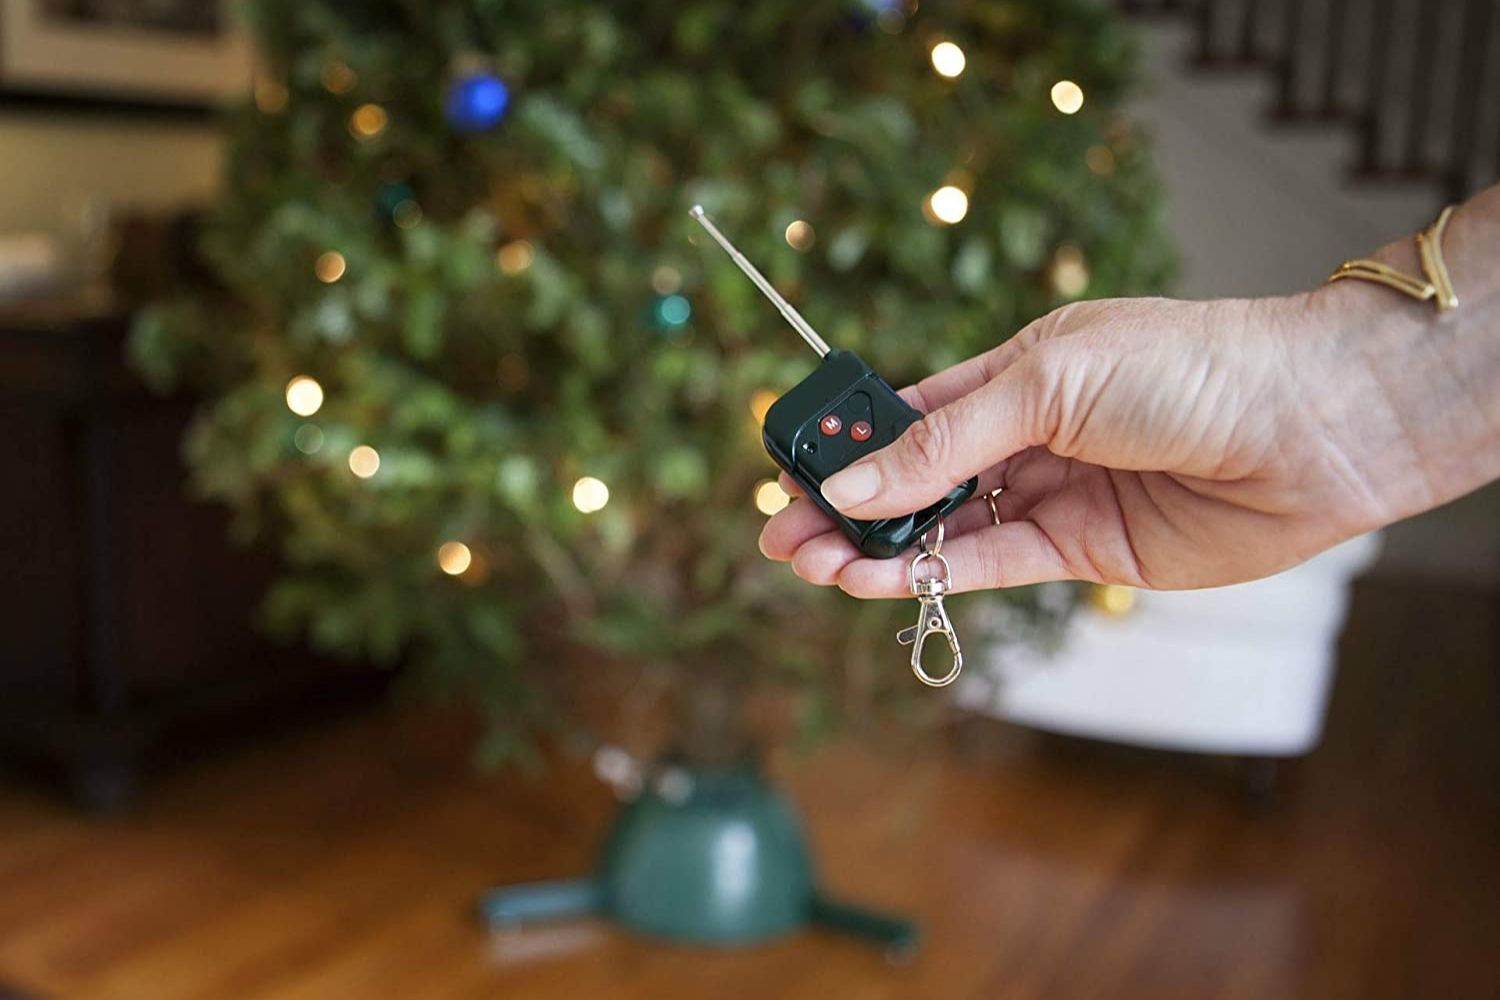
column 989, row 498
column 937, row 547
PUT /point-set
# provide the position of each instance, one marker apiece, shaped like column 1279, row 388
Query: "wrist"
column 1411, row 395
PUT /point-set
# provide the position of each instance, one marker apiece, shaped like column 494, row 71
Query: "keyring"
column 989, row 498
column 937, row 547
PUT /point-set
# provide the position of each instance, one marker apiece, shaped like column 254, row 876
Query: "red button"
column 831, row 424
column 861, row 430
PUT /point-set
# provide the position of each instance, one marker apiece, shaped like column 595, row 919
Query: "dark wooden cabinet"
column 126, row 615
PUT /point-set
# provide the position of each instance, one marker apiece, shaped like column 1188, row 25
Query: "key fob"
column 838, row 414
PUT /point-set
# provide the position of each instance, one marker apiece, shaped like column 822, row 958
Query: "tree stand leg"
column 559, row 899
column 897, row 936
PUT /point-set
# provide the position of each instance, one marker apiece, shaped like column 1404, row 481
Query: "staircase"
column 1416, row 82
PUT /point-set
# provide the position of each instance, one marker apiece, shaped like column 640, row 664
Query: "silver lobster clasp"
column 933, row 619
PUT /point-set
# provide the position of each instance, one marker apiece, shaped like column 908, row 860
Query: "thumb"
column 947, row 446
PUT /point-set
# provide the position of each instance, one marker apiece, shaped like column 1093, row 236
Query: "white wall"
column 48, row 161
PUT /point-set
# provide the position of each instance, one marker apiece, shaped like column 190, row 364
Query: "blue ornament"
column 889, row 14
column 476, row 102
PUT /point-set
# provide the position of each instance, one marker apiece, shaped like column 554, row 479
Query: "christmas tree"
column 479, row 374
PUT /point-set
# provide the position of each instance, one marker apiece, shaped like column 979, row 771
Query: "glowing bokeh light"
column 761, row 403
column 770, row 497
column 364, row 461
column 800, row 235
column 590, row 494
column 368, row 121
column 948, row 204
column 304, row 396
column 1067, row 97
column 454, row 557
column 515, row 257
column 330, row 267
column 948, row 59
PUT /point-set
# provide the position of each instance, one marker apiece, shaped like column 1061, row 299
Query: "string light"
column 515, row 257
column 1112, row 599
column 1100, row 160
column 590, row 494
column 270, row 96
column 364, row 461
column 1070, row 271
column 329, row 267
column 1067, row 97
column 948, row 59
column 761, row 403
column 304, row 396
column 665, row 280
column 454, row 557
column 338, row 78
column 948, row 204
column 800, row 235
column 368, row 121
column 770, row 497
column 308, row 438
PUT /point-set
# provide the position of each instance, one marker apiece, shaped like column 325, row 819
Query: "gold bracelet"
column 1438, row 285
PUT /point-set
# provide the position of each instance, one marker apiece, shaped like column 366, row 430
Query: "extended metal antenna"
column 784, row 307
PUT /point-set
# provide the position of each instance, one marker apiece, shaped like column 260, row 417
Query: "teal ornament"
column 709, row 856
column 671, row 312
column 391, row 197
column 476, row 102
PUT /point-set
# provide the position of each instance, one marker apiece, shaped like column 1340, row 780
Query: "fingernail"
column 854, row 485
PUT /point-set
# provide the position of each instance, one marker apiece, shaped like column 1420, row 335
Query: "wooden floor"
column 344, row 863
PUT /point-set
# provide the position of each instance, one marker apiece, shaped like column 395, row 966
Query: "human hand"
column 1149, row 442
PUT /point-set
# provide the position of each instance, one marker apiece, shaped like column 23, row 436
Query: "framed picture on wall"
column 185, row 53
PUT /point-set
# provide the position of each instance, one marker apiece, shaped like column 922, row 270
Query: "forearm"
column 1416, row 390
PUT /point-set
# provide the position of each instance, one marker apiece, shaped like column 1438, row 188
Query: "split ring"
column 936, row 547
column 989, row 498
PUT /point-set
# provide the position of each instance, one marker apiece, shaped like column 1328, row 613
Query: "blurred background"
column 382, row 609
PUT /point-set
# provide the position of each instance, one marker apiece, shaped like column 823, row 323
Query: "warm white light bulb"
column 368, row 121
column 454, row 557
column 948, row 59
column 800, row 235
column 770, row 497
column 304, row 396
column 515, row 257
column 590, row 494
column 329, row 267
column 1070, row 271
column 948, row 204
column 666, row 280
column 761, row 403
column 1067, row 96
column 364, row 461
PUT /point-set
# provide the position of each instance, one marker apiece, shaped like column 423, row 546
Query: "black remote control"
column 839, row 413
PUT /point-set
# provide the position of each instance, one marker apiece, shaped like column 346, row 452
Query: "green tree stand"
column 703, row 855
